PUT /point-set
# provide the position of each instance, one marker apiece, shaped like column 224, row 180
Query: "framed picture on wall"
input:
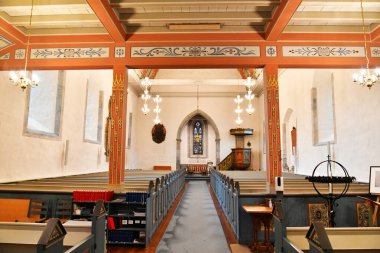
column 374, row 180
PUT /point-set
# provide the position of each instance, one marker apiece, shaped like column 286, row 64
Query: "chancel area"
column 177, row 126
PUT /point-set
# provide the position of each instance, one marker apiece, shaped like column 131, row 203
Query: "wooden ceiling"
column 80, row 17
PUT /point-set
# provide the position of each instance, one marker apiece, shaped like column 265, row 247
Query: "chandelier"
column 249, row 83
column 22, row 78
column 238, row 109
column 146, row 83
column 365, row 77
column 157, row 110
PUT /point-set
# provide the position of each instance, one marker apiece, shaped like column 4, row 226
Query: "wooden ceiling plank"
column 323, row 29
column 37, row 3
column 109, row 19
column 54, row 19
column 366, row 3
column 281, row 18
column 68, row 31
column 328, row 16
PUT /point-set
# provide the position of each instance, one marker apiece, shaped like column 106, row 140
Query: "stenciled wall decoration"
column 322, row 51
column 196, row 51
column 375, row 51
column 68, row 53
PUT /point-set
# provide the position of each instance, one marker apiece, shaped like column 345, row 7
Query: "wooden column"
column 272, row 124
column 118, row 127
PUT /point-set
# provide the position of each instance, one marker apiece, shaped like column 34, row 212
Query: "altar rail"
column 233, row 189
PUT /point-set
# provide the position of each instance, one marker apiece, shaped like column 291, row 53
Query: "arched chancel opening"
column 184, row 123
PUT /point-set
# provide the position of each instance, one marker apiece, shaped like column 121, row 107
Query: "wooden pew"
column 73, row 237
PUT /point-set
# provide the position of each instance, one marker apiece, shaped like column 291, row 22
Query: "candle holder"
column 322, row 176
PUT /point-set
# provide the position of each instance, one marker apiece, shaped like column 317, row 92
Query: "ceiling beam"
column 181, row 3
column 194, row 17
column 375, row 34
column 109, row 19
column 344, row 37
column 133, row 30
column 281, row 18
column 12, row 31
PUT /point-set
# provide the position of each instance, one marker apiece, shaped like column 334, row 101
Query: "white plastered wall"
column 174, row 110
column 24, row 157
column 357, row 135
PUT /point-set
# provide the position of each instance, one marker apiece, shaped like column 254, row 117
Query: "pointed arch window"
column 197, row 145
column 198, row 138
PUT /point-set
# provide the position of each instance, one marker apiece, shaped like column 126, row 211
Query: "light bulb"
column 238, row 120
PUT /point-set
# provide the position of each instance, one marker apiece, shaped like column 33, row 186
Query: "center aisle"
column 195, row 226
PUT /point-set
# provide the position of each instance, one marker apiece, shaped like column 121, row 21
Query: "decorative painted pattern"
column 196, row 51
column 375, row 51
column 4, row 42
column 20, row 54
column 270, row 51
column 68, row 53
column 119, row 52
column 322, row 51
column 5, row 56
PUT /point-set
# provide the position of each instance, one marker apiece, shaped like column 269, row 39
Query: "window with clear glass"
column 44, row 105
column 94, row 114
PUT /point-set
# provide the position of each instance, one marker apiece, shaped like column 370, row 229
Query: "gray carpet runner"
column 195, row 226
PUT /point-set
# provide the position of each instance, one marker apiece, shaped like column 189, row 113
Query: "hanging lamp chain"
column 364, row 34
column 28, row 41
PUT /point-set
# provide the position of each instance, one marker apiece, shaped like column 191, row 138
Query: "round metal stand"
column 326, row 177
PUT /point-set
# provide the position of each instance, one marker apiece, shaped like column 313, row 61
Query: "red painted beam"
column 14, row 34
column 375, row 34
column 281, row 18
column 196, row 37
column 54, row 39
column 109, row 19
column 343, row 37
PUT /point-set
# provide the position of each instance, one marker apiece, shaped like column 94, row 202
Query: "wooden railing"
column 227, row 162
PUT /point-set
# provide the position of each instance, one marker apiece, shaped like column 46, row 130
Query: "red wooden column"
column 272, row 123
column 118, row 127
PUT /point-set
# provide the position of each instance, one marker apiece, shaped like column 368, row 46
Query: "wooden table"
column 260, row 214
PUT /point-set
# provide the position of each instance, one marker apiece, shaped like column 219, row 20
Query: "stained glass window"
column 198, row 138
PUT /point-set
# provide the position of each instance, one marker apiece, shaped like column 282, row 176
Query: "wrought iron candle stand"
column 331, row 180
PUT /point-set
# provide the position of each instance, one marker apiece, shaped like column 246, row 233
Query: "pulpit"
column 241, row 158
column 241, row 155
